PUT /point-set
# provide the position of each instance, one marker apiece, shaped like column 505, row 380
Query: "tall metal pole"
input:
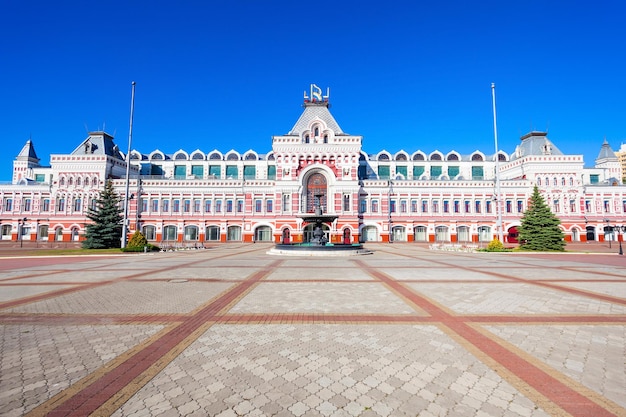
column 498, row 194
column 130, row 139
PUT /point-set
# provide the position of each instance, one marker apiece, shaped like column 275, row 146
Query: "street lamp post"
column 609, row 230
column 390, row 226
column 621, row 230
column 20, row 229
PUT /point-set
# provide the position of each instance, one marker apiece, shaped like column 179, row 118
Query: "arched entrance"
column 263, row 234
column 591, row 233
column 308, row 231
column 513, row 234
column 369, row 234
column 346, row 236
column 286, row 236
column 316, row 192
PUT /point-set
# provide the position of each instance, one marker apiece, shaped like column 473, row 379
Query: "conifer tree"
column 105, row 229
column 540, row 227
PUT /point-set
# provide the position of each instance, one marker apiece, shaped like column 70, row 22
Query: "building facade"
column 191, row 198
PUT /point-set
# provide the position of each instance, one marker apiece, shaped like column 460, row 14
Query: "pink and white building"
column 191, row 197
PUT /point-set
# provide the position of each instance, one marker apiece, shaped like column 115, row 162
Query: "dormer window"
column 306, row 139
column 317, row 131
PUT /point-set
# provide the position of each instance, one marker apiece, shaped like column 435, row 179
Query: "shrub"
column 495, row 246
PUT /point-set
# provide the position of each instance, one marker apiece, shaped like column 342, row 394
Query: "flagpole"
column 130, row 139
column 498, row 193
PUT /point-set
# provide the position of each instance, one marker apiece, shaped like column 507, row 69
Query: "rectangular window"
column 61, row 204
column 403, row 206
column 286, row 202
column 229, row 206
column 572, row 206
column 215, row 171
column 362, row 205
column 477, row 173
column 374, row 206
column 218, row 206
column 27, row 204
column 144, row 205
column 180, row 171
column 520, row 206
column 155, row 205
column 413, row 206
column 453, row 171
column 594, row 178
column 269, row 206
column 40, row 177
column 166, row 206
column 93, row 203
column 176, row 206
column 392, row 206
column 477, row 206
column 607, row 206
column 239, row 206
column 488, row 206
column 197, row 171
column 45, row 205
column 232, row 173
column 457, row 206
column 271, row 172
column 435, row 171
column 509, row 206
column 446, row 206
column 258, row 205
column 8, row 204
column 207, row 206
column 196, row 206
column 424, row 206
column 186, row 205
column 77, row 204
column 418, row 171
column 402, row 170
column 435, row 206
column 383, row 172
column 588, row 206
column 468, row 206
column 249, row 172
column 346, row 202
column 557, row 205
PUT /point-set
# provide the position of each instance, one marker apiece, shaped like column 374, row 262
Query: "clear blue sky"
column 230, row 74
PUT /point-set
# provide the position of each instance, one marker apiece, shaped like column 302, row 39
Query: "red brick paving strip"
column 90, row 398
column 556, row 391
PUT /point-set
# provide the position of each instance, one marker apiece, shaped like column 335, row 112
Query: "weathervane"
column 316, row 95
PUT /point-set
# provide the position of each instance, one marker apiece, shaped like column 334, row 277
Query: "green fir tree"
column 540, row 227
column 105, row 229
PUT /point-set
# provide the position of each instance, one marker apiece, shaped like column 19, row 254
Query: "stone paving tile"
column 590, row 354
column 615, row 289
column 79, row 276
column 557, row 274
column 304, row 297
column 344, row 274
column 499, row 298
column 328, row 370
column 442, row 274
column 37, row 362
column 8, row 293
column 130, row 298
column 202, row 272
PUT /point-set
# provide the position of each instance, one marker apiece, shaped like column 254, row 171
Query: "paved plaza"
column 233, row 331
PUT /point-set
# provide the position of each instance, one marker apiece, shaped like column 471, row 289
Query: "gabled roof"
column 314, row 111
column 28, row 152
column 98, row 143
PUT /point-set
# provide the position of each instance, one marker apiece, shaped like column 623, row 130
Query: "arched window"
column 441, row 234
column 563, row 181
column 435, row 157
column 232, row 157
column 191, row 233
column 263, row 234
column 197, row 156
column 316, row 191
column 571, row 181
column 463, row 234
column 501, row 157
column 401, row 157
column 539, row 182
column 215, row 157
column 453, row 157
column 420, row 234
column 477, row 157
column 170, row 233
column 383, row 157
column 180, row 156
column 418, row 157
column 212, row 233
column 234, row 233
column 149, row 232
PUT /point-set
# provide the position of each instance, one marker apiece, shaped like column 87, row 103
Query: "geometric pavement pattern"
column 232, row 331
